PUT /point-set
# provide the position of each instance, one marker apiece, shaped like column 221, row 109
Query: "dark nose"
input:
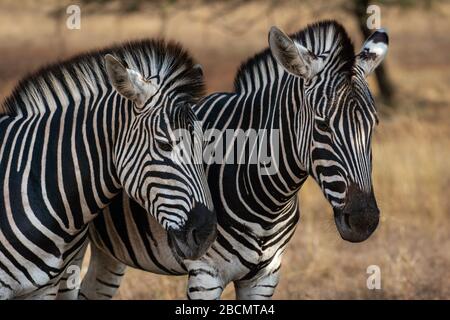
column 199, row 232
column 362, row 220
column 360, row 216
column 201, row 225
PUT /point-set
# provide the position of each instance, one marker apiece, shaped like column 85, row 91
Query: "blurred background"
column 410, row 147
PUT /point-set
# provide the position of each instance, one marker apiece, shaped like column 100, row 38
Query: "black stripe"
column 108, row 284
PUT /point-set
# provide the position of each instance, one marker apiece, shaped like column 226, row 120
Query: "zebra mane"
column 321, row 38
column 150, row 57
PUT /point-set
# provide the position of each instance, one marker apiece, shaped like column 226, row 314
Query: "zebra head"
column 173, row 190
column 341, row 116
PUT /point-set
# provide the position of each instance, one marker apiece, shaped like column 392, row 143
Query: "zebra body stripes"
column 75, row 135
column 312, row 89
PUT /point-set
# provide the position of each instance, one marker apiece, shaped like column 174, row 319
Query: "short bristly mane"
column 169, row 60
column 321, row 38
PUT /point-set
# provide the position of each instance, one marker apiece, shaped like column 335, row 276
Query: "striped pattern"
column 325, row 126
column 69, row 143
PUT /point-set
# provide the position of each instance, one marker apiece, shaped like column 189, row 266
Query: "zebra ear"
column 127, row 82
column 373, row 51
column 293, row 57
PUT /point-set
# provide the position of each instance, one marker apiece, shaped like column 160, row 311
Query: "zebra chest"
column 254, row 245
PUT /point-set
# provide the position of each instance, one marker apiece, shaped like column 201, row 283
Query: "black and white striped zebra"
column 76, row 134
column 309, row 87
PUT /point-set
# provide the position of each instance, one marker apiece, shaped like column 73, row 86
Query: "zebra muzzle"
column 359, row 217
column 195, row 238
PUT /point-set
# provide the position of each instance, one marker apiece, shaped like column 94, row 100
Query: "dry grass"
column 411, row 145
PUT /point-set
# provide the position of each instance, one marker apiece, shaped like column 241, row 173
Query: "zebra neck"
column 288, row 115
column 64, row 155
column 271, row 107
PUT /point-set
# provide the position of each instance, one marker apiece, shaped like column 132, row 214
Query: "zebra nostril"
column 347, row 220
column 194, row 235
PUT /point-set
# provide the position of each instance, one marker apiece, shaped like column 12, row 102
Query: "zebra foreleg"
column 103, row 277
column 258, row 289
column 47, row 293
column 69, row 285
column 204, row 282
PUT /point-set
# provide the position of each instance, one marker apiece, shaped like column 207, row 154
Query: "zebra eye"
column 165, row 146
column 323, row 125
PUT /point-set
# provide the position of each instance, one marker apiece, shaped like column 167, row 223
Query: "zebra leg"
column 48, row 293
column 103, row 276
column 204, row 282
column 262, row 288
column 69, row 285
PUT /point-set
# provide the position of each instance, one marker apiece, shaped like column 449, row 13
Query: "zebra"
column 311, row 88
column 76, row 134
